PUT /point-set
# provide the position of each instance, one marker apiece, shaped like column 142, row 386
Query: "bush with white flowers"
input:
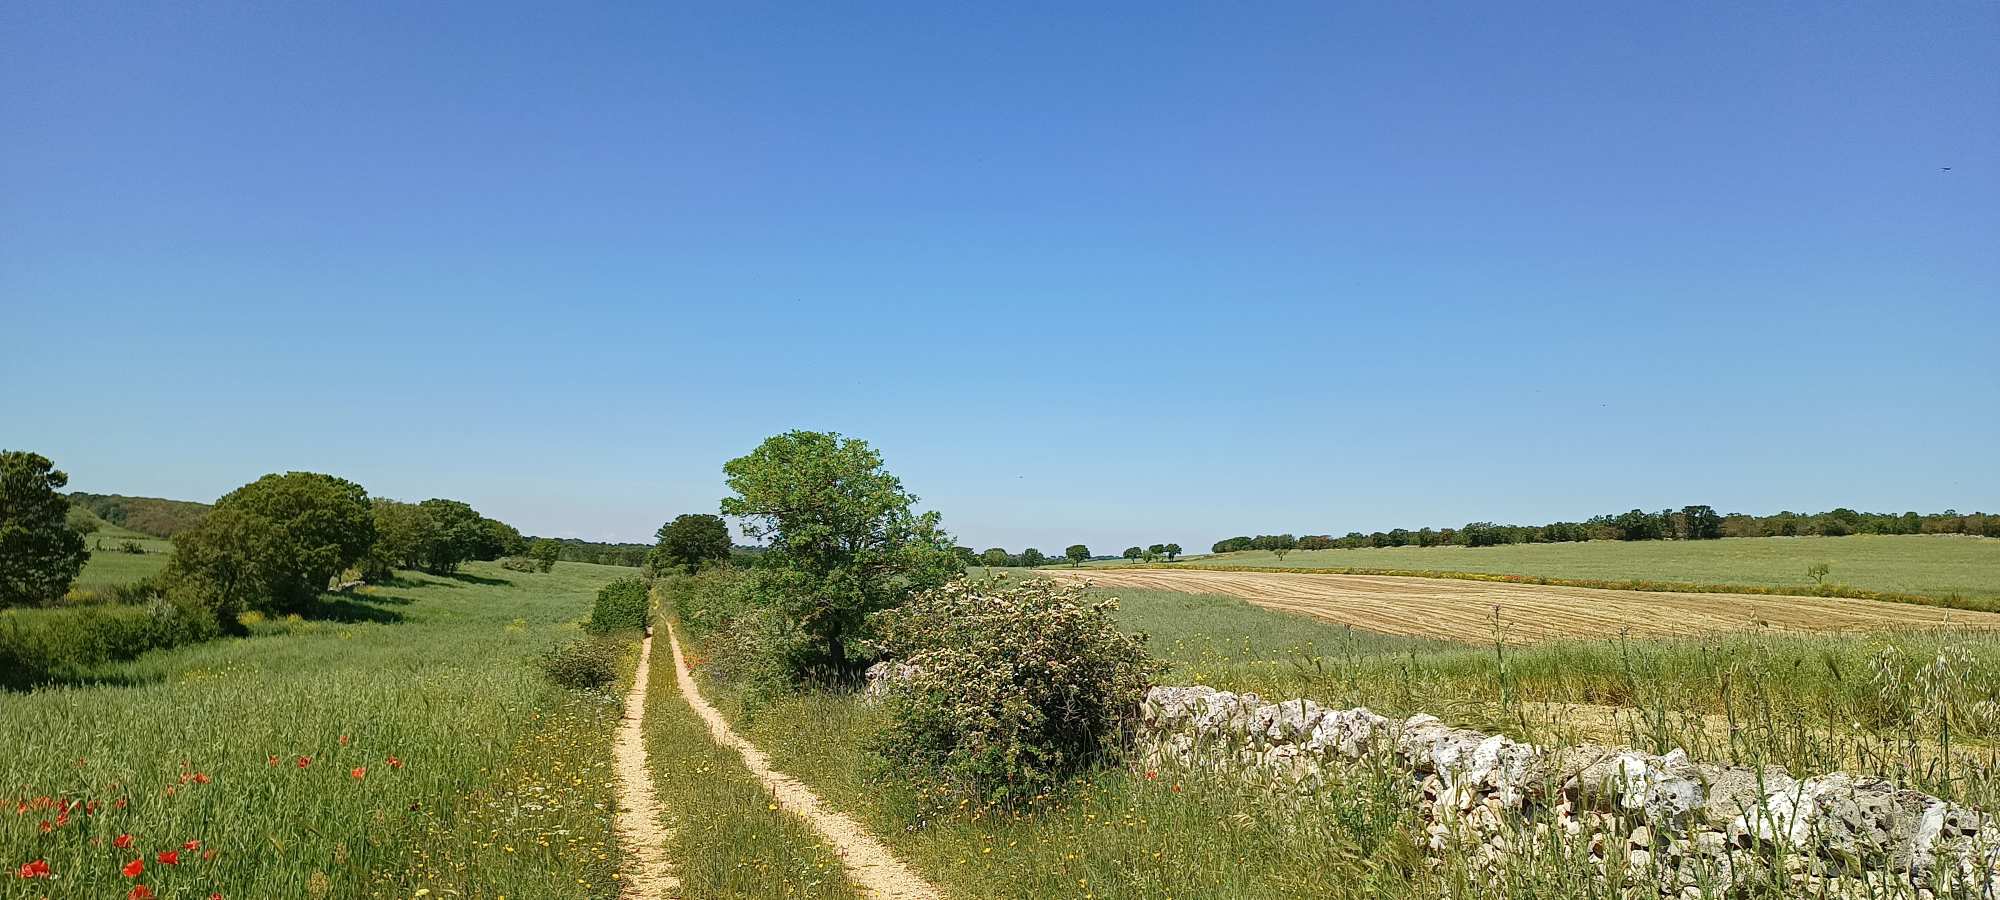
column 1010, row 688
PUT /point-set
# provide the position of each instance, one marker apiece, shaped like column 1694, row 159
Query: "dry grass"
column 1465, row 610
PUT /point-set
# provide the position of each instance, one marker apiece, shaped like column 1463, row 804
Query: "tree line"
column 1689, row 523
column 272, row 545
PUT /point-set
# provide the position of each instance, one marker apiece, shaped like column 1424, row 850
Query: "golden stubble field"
column 1464, row 610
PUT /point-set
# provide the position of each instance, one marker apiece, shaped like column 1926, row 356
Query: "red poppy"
column 140, row 892
column 201, row 778
column 395, row 763
column 215, row 896
column 191, row 845
column 119, row 803
column 122, row 842
column 358, row 773
column 1151, row 775
column 343, row 740
column 133, row 868
column 47, row 826
column 37, row 869
column 207, row 854
column 1177, row 788
column 169, row 857
column 305, row 761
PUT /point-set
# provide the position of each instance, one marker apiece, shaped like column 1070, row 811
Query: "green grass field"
column 326, row 759
column 108, row 565
column 1933, row 565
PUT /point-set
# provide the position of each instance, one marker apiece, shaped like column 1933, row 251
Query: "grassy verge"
column 421, row 751
column 728, row 838
column 1117, row 834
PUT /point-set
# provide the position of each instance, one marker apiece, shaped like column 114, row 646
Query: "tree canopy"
column 689, row 542
column 843, row 539
column 40, row 554
column 320, row 525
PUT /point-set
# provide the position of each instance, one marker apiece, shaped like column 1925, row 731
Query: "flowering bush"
column 1011, row 688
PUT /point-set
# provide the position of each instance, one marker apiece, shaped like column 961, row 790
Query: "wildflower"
column 47, row 826
column 343, row 740
column 395, row 763
column 358, row 773
column 119, row 803
column 122, row 842
column 1152, row 775
column 169, row 857
column 37, row 869
column 140, row 892
column 201, row 778
column 191, row 845
column 1177, row 787
column 305, row 761
column 134, row 868
column 272, row 761
column 207, row 855
column 216, row 895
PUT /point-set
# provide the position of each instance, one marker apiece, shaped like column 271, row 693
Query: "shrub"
column 133, row 547
column 37, row 646
column 582, row 664
column 1013, row 688
column 622, row 605
column 520, row 564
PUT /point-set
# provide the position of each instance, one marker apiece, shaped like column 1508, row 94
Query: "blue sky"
column 1118, row 274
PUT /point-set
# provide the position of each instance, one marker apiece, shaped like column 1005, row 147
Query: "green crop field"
column 1933, row 565
column 417, row 754
column 109, row 564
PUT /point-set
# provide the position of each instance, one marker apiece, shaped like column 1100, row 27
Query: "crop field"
column 109, row 564
column 1466, row 610
column 1932, row 565
column 412, row 751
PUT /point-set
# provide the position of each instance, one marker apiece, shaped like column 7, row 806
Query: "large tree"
column 321, row 525
column 453, row 533
column 1077, row 553
column 843, row 539
column 690, row 542
column 230, row 561
column 40, row 554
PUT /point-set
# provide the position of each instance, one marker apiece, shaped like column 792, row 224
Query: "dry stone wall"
column 1666, row 823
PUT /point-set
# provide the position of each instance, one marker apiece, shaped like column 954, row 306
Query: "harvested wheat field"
column 1463, row 610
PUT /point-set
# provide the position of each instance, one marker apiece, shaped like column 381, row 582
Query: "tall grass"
column 434, row 756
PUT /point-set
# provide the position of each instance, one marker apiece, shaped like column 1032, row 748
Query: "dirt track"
column 1463, row 610
column 870, row 865
column 650, row 873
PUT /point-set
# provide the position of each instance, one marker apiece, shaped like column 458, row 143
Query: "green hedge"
column 42, row 645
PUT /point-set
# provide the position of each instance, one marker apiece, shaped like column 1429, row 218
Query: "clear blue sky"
column 1110, row 273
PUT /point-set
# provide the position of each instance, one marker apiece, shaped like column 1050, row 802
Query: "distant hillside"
column 146, row 515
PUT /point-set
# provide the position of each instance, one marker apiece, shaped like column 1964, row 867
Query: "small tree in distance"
column 690, row 542
column 994, row 557
column 545, row 552
column 1133, row 553
column 1077, row 553
column 1172, row 550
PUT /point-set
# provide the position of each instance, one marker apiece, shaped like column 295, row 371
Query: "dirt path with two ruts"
column 870, row 865
column 651, row 873
column 1461, row 610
